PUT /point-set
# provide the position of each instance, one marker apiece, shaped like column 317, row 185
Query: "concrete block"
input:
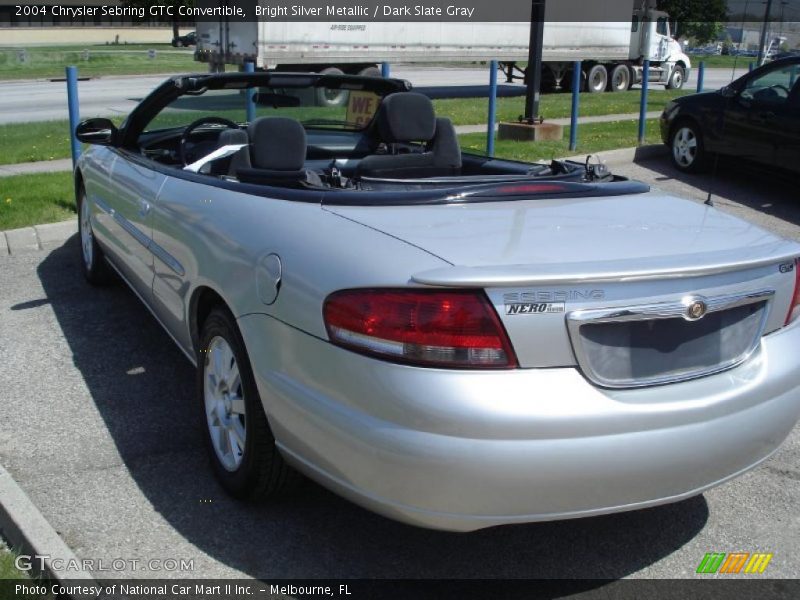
column 56, row 233
column 524, row 132
column 22, row 240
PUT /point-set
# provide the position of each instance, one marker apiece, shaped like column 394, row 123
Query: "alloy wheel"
column 684, row 146
column 86, row 233
column 224, row 404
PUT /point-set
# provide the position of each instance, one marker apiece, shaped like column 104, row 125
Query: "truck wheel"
column 327, row 97
column 370, row 72
column 597, row 79
column 677, row 78
column 620, row 80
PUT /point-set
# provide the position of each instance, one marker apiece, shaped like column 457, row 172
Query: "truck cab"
column 651, row 39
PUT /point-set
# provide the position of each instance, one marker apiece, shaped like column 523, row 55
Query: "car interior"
column 405, row 146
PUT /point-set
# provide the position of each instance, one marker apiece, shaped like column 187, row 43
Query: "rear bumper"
column 463, row 450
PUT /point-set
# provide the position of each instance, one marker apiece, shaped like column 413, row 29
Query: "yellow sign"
column 361, row 108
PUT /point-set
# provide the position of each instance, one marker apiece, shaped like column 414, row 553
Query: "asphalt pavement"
column 41, row 100
column 102, row 431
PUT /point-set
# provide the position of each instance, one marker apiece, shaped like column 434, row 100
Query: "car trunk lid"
column 546, row 263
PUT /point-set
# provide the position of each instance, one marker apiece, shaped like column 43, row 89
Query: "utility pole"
column 762, row 46
column 534, row 62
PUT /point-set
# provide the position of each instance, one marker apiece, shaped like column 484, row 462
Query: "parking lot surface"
column 102, row 431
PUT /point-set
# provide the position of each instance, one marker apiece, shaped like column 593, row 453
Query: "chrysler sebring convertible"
column 451, row 340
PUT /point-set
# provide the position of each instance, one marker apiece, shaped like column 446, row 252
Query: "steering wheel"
column 187, row 133
column 781, row 86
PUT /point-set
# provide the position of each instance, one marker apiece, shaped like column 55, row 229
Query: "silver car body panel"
column 459, row 449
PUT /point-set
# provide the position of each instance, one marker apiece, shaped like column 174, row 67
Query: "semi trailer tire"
column 327, row 97
column 620, row 79
column 596, row 79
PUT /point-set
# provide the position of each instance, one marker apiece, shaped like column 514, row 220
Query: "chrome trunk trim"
column 667, row 310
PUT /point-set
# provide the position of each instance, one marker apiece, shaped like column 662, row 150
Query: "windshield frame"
column 195, row 84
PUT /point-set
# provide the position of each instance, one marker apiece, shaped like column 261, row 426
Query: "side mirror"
column 728, row 92
column 96, row 131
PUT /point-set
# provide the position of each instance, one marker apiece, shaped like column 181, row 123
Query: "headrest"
column 406, row 117
column 277, row 143
column 230, row 137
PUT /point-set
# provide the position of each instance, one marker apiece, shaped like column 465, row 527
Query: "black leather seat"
column 277, row 154
column 407, row 118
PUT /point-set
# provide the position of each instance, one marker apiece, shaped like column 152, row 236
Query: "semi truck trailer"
column 612, row 51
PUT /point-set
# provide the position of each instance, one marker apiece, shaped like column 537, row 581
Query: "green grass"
column 719, row 61
column 34, row 199
column 592, row 137
column 7, row 568
column 28, row 142
column 48, row 62
column 470, row 111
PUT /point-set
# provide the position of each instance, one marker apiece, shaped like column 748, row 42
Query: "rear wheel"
column 596, row 79
column 687, row 150
column 620, row 79
column 241, row 445
column 93, row 263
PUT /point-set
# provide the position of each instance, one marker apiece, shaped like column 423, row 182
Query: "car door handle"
column 144, row 208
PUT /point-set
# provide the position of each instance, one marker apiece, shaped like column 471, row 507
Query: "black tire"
column 596, row 79
column 620, row 79
column 677, row 78
column 325, row 97
column 93, row 262
column 262, row 472
column 686, row 147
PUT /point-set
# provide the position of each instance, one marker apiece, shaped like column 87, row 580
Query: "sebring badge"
column 695, row 309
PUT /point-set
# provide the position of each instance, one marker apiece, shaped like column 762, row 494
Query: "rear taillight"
column 794, row 307
column 423, row 327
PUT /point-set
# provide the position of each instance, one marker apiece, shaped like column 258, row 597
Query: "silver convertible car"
column 447, row 339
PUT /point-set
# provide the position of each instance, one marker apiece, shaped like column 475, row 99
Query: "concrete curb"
column 38, row 237
column 42, row 166
column 26, row 530
column 624, row 156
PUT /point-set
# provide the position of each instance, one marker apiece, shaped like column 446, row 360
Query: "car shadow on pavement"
column 142, row 387
column 734, row 183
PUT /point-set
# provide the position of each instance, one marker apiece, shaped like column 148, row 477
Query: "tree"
column 175, row 19
column 702, row 20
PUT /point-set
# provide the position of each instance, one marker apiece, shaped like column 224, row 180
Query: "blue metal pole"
column 701, row 71
column 576, row 94
column 250, row 67
column 492, row 107
column 74, row 113
column 643, row 103
column 385, row 71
